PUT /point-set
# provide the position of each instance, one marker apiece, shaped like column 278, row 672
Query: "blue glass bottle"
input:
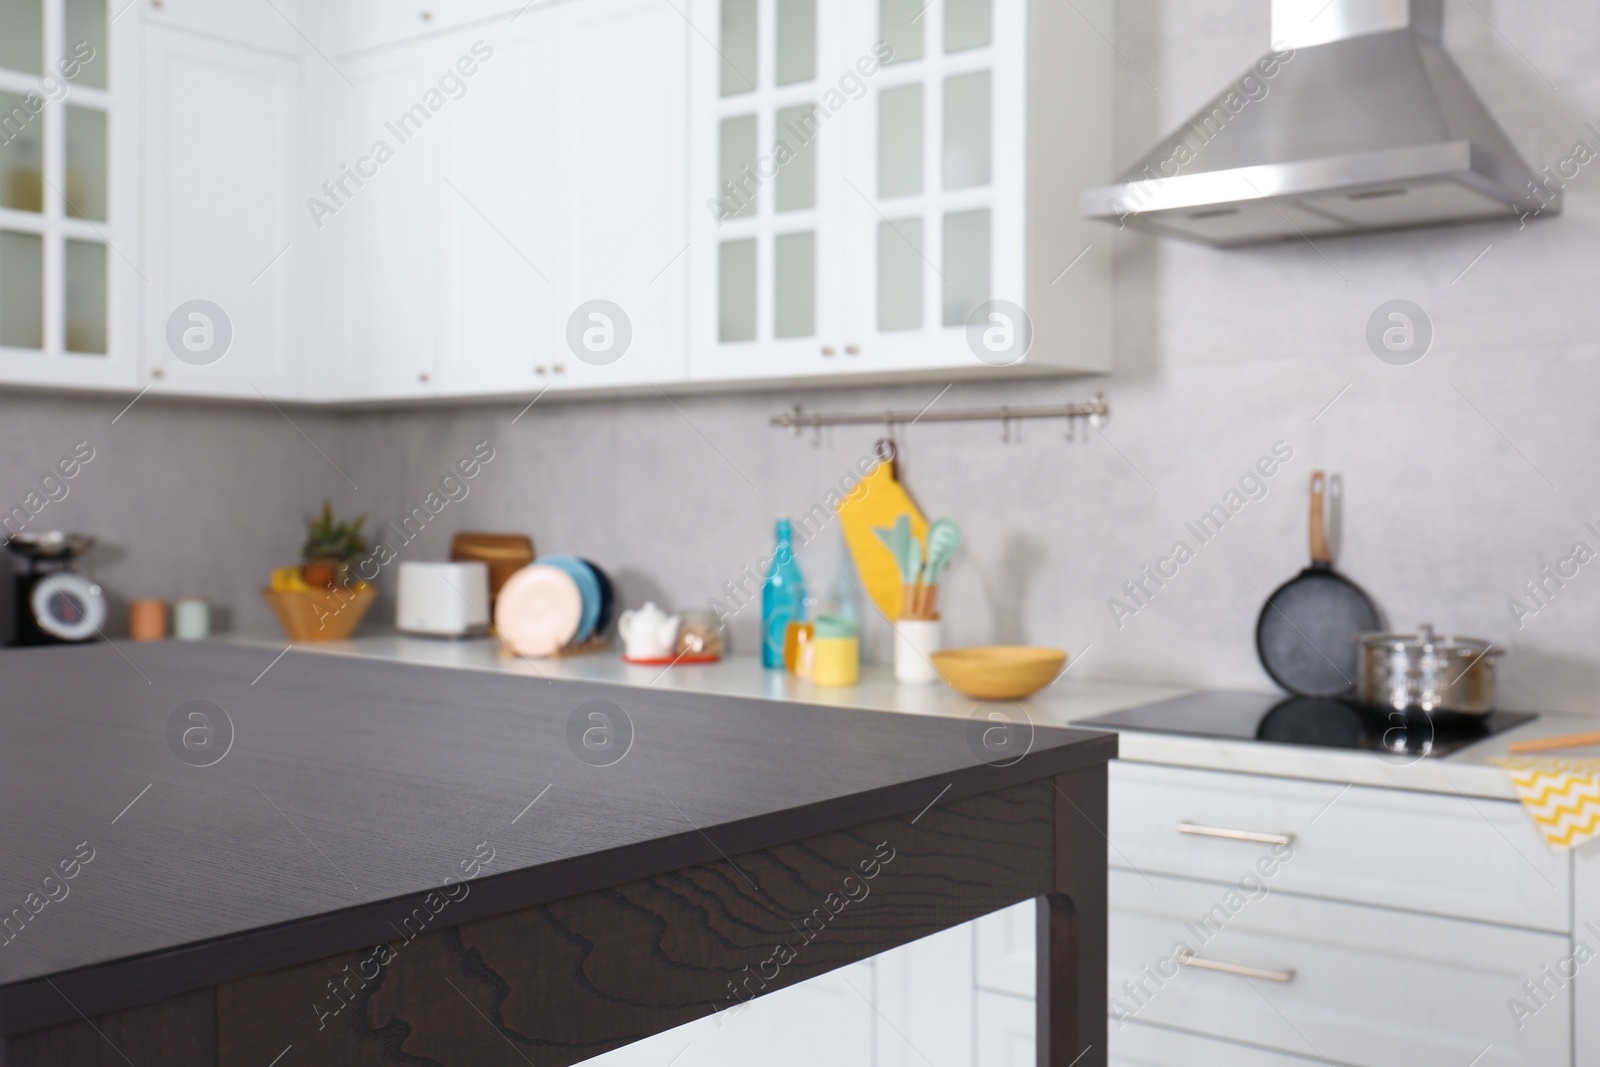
column 783, row 597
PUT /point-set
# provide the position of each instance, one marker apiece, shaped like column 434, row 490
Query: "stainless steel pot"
column 1426, row 672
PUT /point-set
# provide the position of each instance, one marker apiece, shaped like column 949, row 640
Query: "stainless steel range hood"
column 1357, row 120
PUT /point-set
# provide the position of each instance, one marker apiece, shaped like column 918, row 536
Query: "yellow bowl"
column 319, row 614
column 999, row 672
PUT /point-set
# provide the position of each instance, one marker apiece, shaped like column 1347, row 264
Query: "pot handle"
column 1319, row 530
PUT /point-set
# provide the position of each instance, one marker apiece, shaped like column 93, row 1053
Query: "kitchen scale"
column 1326, row 722
column 50, row 603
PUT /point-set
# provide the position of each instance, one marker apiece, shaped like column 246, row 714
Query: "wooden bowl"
column 319, row 614
column 999, row 672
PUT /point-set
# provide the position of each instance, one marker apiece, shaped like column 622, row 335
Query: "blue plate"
column 608, row 598
column 588, row 585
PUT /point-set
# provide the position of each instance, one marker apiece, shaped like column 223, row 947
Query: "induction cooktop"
column 1320, row 721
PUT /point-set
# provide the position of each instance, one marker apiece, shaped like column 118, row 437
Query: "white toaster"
column 443, row 599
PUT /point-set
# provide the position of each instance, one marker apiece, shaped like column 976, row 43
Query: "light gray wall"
column 186, row 499
column 1462, row 474
column 1447, row 465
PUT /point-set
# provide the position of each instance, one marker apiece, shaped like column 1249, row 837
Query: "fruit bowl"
column 320, row 614
column 999, row 672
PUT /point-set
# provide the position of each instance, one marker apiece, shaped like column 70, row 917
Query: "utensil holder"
column 915, row 642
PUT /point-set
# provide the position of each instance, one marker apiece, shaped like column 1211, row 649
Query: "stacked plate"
column 554, row 603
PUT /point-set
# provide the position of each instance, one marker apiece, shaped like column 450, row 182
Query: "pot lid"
column 1425, row 640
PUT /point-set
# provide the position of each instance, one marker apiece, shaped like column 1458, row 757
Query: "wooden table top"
column 352, row 789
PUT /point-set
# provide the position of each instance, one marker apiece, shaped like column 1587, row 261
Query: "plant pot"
column 320, row 614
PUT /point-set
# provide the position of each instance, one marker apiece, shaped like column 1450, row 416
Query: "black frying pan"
column 1306, row 635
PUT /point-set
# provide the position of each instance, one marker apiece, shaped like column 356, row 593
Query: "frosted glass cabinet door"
column 935, row 218
column 69, row 182
column 768, row 129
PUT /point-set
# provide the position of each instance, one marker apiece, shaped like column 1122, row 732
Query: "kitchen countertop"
column 1068, row 701
column 339, row 795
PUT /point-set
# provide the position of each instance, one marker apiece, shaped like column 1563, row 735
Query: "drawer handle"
column 1284, row 977
column 1234, row 835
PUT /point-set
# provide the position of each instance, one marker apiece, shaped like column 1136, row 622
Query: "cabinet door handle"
column 1242, row 970
column 1234, row 835
column 829, row 350
column 852, row 350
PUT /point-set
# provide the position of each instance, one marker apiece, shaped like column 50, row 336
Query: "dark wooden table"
column 355, row 862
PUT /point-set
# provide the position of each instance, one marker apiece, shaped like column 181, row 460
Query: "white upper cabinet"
column 767, row 169
column 496, row 203
column 220, row 204
column 622, row 253
column 375, row 192
column 383, row 202
column 69, row 251
column 887, row 186
column 351, row 26
column 277, row 25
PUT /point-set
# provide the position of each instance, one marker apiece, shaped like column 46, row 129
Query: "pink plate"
column 539, row 610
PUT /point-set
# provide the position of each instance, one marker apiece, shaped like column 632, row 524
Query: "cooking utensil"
column 898, row 540
column 912, row 564
column 1427, row 672
column 878, row 502
column 944, row 539
column 999, row 672
column 1554, row 744
column 1306, row 633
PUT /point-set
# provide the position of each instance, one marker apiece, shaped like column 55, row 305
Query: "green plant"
column 331, row 541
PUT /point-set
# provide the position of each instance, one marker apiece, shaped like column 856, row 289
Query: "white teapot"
column 648, row 633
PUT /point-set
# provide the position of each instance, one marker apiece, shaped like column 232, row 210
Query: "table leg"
column 1072, row 928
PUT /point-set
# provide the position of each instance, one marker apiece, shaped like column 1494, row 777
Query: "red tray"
column 686, row 659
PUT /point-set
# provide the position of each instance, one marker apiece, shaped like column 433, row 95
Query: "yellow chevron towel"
column 1562, row 796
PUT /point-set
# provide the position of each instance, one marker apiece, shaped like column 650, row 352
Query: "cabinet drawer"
column 1443, row 855
column 1151, row 1046
column 1324, row 980
column 1006, row 1029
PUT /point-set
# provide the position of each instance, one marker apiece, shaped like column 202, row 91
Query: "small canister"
column 835, row 651
column 147, row 620
column 915, row 642
column 191, row 620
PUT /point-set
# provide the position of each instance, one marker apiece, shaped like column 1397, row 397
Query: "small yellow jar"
column 835, row 651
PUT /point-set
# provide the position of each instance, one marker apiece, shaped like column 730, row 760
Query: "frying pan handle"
column 1319, row 530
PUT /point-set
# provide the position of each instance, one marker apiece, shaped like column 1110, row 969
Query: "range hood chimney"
column 1356, row 120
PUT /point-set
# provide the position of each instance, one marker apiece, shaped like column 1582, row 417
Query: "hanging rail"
column 799, row 419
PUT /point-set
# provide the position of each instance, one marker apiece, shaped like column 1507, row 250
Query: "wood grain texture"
column 568, row 980
column 1072, row 958
column 181, row 1032
column 354, row 787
